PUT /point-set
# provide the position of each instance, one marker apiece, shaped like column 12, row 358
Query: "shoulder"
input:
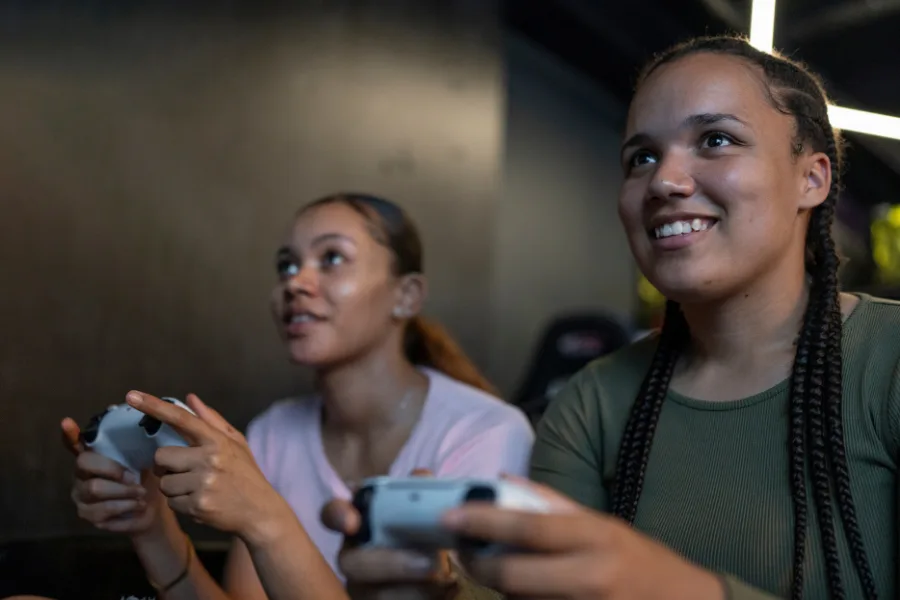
column 455, row 401
column 871, row 353
column 610, row 383
column 870, row 338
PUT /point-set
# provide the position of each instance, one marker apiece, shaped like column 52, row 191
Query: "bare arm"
column 280, row 563
column 163, row 553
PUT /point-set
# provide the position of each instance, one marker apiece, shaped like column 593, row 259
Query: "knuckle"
column 208, row 481
column 94, row 488
column 202, row 505
column 214, row 459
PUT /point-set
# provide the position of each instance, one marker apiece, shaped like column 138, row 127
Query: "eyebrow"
column 325, row 237
column 698, row 120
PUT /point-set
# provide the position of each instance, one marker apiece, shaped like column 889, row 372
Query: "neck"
column 366, row 394
column 752, row 324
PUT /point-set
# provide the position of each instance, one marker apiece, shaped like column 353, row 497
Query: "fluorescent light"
column 762, row 25
column 762, row 33
column 860, row 121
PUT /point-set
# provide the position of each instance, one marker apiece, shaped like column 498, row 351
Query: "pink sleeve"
column 257, row 438
column 501, row 448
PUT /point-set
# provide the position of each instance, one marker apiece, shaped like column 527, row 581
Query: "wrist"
column 164, row 529
column 271, row 524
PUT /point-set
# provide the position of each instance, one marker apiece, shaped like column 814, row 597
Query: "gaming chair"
column 567, row 344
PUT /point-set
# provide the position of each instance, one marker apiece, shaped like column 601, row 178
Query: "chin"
column 688, row 286
column 301, row 352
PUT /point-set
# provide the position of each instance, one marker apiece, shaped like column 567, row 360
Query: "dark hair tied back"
column 816, row 436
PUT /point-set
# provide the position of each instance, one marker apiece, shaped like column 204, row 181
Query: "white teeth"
column 681, row 228
column 302, row 318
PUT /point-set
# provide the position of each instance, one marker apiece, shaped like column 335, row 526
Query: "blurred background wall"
column 150, row 165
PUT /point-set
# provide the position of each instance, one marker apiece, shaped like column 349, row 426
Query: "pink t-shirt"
column 462, row 432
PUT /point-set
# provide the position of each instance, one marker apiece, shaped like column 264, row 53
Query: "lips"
column 298, row 322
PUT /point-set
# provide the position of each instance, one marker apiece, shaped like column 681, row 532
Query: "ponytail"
column 429, row 344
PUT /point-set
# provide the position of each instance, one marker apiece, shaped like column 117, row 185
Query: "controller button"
column 150, row 425
column 481, row 493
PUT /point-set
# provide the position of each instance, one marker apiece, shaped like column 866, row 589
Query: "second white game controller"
column 129, row 437
column 406, row 512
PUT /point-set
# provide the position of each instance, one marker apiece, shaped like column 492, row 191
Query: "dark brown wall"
column 148, row 168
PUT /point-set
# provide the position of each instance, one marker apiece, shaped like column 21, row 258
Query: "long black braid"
column 816, row 436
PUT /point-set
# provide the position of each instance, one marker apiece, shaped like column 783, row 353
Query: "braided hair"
column 816, row 437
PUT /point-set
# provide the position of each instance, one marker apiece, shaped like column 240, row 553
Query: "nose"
column 672, row 179
column 305, row 282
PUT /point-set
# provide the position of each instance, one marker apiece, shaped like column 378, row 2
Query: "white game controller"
column 129, row 437
column 406, row 512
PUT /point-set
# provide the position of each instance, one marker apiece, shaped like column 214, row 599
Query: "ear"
column 816, row 180
column 411, row 293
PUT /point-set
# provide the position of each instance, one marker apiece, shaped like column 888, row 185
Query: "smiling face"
column 714, row 194
column 337, row 291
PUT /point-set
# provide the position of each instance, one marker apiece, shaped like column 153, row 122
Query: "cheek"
column 344, row 290
column 358, row 302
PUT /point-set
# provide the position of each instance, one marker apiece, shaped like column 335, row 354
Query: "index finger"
column 192, row 428
column 542, row 532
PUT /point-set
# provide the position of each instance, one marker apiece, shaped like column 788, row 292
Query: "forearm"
column 163, row 553
column 290, row 565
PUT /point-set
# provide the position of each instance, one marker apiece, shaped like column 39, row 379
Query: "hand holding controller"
column 129, row 437
column 407, row 512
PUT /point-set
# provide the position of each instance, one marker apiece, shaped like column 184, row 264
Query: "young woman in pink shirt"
column 394, row 394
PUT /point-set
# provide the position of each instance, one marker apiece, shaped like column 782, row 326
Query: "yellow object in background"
column 885, row 230
column 649, row 295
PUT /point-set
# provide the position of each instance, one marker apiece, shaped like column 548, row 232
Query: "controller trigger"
column 90, row 432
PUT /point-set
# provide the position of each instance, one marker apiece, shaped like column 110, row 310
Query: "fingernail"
column 131, row 477
column 140, row 491
column 134, row 398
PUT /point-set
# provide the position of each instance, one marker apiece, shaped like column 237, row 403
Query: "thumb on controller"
column 211, row 416
column 558, row 503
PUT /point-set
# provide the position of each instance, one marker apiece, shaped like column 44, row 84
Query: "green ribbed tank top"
column 717, row 488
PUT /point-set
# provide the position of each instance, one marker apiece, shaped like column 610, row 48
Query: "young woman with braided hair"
column 750, row 450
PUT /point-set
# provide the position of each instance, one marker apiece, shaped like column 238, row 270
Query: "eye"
column 716, row 139
column 332, row 258
column 286, row 267
column 640, row 158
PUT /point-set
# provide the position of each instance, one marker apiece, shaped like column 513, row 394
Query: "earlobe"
column 816, row 180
